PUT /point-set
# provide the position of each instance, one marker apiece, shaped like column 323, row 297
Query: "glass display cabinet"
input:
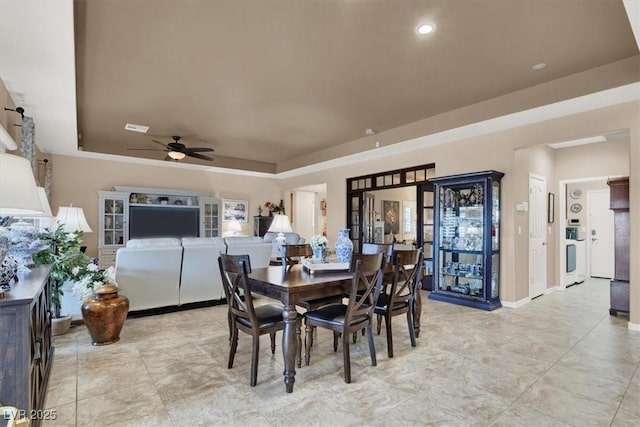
column 467, row 239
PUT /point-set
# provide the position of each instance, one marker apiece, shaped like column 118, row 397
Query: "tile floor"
column 559, row 360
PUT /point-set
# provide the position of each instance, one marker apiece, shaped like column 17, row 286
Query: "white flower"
column 71, row 236
column 92, row 267
column 319, row 241
column 75, row 271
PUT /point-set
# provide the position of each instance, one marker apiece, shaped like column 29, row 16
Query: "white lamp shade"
column 18, row 190
column 280, row 224
column 44, row 203
column 234, row 226
column 72, row 219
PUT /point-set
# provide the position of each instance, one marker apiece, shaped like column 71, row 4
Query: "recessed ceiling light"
column 538, row 66
column 425, row 29
column 136, row 128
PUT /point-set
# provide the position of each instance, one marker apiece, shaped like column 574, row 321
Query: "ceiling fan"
column 177, row 151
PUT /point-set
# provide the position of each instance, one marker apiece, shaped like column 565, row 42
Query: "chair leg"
column 307, row 343
column 387, row 325
column 379, row 322
column 372, row 347
column 417, row 312
column 230, row 321
column 347, row 359
column 273, row 342
column 233, row 346
column 336, row 336
column 298, row 344
column 412, row 331
column 255, row 350
column 355, row 336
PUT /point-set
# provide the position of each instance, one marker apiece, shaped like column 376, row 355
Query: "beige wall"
column 497, row 151
column 77, row 180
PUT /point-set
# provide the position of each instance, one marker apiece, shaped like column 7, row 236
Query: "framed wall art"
column 235, row 210
column 391, row 212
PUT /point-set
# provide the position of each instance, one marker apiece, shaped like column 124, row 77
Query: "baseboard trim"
column 634, row 326
column 551, row 289
column 516, row 304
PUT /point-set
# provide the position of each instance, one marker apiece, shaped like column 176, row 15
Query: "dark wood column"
column 619, row 203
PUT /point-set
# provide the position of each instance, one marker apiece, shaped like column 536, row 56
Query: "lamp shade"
column 72, row 219
column 280, row 224
column 18, row 190
column 44, row 203
column 234, row 226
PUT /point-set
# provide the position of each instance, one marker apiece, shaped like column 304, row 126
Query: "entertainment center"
column 136, row 212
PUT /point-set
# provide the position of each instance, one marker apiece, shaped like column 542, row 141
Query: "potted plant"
column 65, row 257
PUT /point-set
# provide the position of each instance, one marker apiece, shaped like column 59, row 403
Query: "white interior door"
column 537, row 235
column 304, row 217
column 600, row 236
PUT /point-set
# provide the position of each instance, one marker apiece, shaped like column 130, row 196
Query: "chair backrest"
column 367, row 272
column 407, row 275
column 374, row 248
column 288, row 252
column 234, row 270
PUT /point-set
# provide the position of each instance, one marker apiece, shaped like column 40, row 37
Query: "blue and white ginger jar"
column 343, row 246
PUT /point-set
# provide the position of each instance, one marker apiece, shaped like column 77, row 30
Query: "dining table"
column 297, row 285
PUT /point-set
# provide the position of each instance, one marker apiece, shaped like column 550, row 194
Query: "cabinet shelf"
column 161, row 205
column 461, row 251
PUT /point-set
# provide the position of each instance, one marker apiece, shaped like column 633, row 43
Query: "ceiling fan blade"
column 158, row 142
column 198, row 156
column 146, row 149
column 197, row 149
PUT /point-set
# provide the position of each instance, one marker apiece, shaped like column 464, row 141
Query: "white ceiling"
column 39, row 69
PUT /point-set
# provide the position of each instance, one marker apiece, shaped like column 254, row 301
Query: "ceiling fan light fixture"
column 176, row 155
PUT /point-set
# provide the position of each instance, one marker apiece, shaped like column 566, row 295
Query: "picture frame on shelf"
column 235, row 210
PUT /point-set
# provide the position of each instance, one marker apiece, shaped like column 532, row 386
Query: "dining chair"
column 374, row 248
column 244, row 316
column 401, row 296
column 288, row 253
column 343, row 319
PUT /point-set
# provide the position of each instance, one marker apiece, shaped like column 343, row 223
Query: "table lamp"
column 72, row 220
column 234, row 227
column 280, row 225
column 24, row 236
column 18, row 196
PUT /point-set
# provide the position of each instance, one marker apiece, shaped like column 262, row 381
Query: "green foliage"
column 66, row 259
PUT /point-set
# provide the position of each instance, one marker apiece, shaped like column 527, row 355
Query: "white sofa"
column 164, row 272
column 148, row 272
column 200, row 279
column 257, row 248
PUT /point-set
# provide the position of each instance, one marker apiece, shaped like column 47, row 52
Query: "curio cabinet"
column 467, row 239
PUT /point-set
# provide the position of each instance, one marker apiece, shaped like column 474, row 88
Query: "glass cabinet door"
column 113, row 221
column 211, row 217
column 467, row 239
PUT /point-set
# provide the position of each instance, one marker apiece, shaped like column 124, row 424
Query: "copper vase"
column 104, row 315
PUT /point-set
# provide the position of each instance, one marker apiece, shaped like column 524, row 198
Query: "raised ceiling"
column 267, row 82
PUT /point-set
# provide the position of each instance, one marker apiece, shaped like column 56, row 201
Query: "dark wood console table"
column 619, row 203
column 26, row 353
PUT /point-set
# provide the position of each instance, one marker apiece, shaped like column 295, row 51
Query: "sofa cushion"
column 202, row 241
column 237, row 240
column 157, row 242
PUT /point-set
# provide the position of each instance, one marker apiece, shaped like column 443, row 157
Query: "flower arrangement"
column 63, row 253
column 276, row 209
column 319, row 241
column 88, row 278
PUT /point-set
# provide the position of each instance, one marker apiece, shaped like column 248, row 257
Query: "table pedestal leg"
column 290, row 316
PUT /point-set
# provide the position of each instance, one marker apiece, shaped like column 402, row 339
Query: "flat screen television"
column 156, row 221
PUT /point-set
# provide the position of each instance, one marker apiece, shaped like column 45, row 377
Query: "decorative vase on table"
column 343, row 246
column 319, row 255
column 104, row 315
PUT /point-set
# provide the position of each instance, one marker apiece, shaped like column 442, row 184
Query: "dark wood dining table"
column 299, row 285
